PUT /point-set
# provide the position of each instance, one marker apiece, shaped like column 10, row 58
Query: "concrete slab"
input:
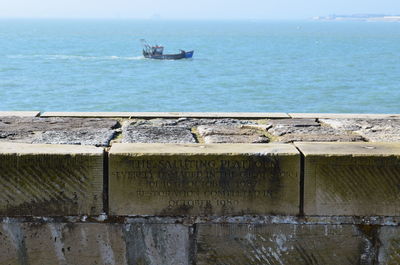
column 293, row 122
column 239, row 115
column 84, row 131
column 320, row 136
column 231, row 134
column 97, row 137
column 195, row 179
column 93, row 243
column 50, row 180
column 62, row 243
column 10, row 123
column 49, row 114
column 19, row 113
column 248, row 244
column 389, row 250
column 308, row 130
column 156, row 244
column 343, row 116
column 236, row 139
column 151, row 134
column 206, row 130
column 374, row 130
column 191, row 122
column 359, row 179
column 180, row 130
column 349, row 149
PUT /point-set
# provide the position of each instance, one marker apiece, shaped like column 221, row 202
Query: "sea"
column 238, row 66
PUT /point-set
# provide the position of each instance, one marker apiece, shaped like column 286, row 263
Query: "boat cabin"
column 157, row 50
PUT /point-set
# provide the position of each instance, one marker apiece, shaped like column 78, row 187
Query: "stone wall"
column 199, row 188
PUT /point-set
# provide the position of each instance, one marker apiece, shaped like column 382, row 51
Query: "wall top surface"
column 21, row 148
column 355, row 148
column 261, row 149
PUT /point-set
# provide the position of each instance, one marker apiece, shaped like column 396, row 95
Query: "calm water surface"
column 270, row 66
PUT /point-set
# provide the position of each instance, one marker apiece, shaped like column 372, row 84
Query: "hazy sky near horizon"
column 200, row 9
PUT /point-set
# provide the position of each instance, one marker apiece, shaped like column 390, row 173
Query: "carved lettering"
column 196, row 182
column 222, row 179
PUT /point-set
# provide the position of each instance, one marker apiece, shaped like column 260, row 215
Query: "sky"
column 199, row 9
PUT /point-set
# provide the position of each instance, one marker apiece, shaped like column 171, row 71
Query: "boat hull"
column 182, row 55
column 189, row 54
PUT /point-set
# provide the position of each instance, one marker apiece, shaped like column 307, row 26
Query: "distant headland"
column 360, row 17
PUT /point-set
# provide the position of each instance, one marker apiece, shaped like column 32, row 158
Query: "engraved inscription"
column 203, row 184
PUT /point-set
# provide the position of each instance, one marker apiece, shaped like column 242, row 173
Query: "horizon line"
column 154, row 19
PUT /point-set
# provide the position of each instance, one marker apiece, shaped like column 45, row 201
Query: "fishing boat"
column 157, row 52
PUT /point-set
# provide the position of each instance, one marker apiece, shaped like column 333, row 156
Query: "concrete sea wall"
column 199, row 188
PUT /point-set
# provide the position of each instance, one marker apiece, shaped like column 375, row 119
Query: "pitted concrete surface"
column 103, row 131
column 374, row 130
column 190, row 122
column 83, row 131
column 44, row 124
column 309, row 130
column 237, row 131
column 96, row 137
column 153, row 134
column 293, row 122
column 180, row 131
column 234, row 138
column 318, row 134
column 231, row 134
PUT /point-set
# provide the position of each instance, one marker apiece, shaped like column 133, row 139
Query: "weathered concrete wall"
column 193, row 188
column 351, row 178
column 169, row 240
column 93, row 243
column 50, row 180
column 283, row 244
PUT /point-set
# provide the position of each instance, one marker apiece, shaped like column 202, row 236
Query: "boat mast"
column 146, row 46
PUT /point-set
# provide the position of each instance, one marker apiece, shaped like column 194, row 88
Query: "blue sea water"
column 261, row 66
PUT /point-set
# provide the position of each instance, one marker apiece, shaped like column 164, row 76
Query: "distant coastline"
column 360, row 17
